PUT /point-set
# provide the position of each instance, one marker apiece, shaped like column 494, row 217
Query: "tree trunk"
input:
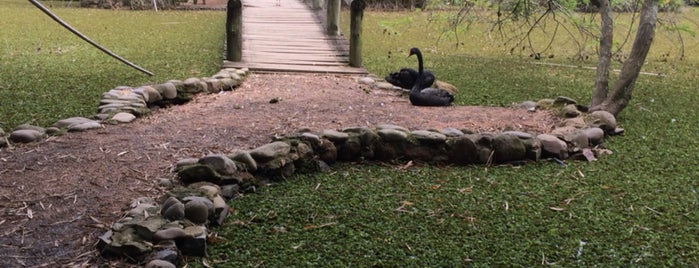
column 620, row 95
column 605, row 54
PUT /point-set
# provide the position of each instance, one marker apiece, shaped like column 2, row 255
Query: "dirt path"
column 57, row 196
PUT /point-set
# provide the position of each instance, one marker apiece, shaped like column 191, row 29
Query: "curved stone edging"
column 180, row 222
column 124, row 104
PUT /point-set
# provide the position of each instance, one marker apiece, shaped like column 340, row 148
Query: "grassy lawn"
column 47, row 73
column 637, row 207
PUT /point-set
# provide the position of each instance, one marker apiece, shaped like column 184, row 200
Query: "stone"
column 311, row 138
column 384, row 85
column 123, row 117
column 149, row 93
column 390, row 126
column 595, row 135
column 169, row 234
column 185, row 162
column 141, row 209
column 392, row 135
column 602, row 119
column 544, row 103
column 197, row 209
column 527, row 105
column 564, row 100
column 122, row 244
column 194, row 85
column 172, row 209
column 197, row 173
column 553, row 146
column 334, row 135
column 230, row 191
column 245, row 158
column 452, row 132
column 508, row 148
column 72, row 121
column 160, row 264
column 577, row 122
column 366, row 80
column 462, row 150
column 25, row 136
column 229, row 84
column 194, row 243
column 166, row 251
column 350, row 150
column 577, row 140
column 570, row 111
column 429, row 137
column 220, row 210
column 84, row 126
column 146, row 228
column 519, row 134
column 327, row 151
column 270, row 151
column 31, row 127
column 220, row 163
column 167, row 90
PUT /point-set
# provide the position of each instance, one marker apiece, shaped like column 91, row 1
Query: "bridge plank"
column 285, row 36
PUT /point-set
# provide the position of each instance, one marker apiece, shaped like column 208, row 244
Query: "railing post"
column 317, row 4
column 356, row 17
column 234, row 30
column 333, row 18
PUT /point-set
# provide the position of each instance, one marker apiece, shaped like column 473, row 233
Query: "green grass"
column 47, row 73
column 637, row 207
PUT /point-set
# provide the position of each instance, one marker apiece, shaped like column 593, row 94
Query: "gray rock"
column 220, row 210
column 519, row 134
column 123, row 117
column 366, row 80
column 527, row 105
column 214, row 85
column 394, row 127
column 166, row 251
column 334, row 135
column 245, row 158
column 577, row 122
column 160, row 264
column 146, row 228
column 570, row 111
column 172, row 209
column 220, row 163
column 577, row 140
column 193, row 85
column 30, row 127
column 197, row 173
column 197, row 209
column 392, row 135
column 544, row 103
column 429, row 137
column 68, row 122
column 452, row 132
column 140, row 209
column 462, row 150
column 384, row 85
column 230, row 191
column 595, row 135
column 185, row 162
column 149, row 93
column 25, row 136
column 553, row 146
column 84, row 126
column 508, row 148
column 602, row 119
column 194, row 243
column 169, row 234
column 229, row 84
column 313, row 139
column 270, row 151
column 564, row 100
column 167, row 90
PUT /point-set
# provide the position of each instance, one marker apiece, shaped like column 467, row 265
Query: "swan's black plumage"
column 427, row 96
column 406, row 77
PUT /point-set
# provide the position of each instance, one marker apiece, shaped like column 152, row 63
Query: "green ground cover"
column 637, row 207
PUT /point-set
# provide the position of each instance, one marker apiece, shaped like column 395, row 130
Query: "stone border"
column 123, row 104
column 178, row 222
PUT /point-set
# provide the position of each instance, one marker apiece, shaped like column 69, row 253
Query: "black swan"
column 427, row 96
column 406, row 77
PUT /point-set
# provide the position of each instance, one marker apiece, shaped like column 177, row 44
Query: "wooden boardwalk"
column 287, row 36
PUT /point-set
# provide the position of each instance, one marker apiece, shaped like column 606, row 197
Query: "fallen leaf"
column 557, row 209
column 589, row 155
column 30, row 213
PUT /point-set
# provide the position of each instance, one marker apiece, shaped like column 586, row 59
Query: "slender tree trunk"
column 605, row 54
column 620, row 95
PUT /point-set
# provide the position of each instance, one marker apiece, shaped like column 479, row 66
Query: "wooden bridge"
column 288, row 36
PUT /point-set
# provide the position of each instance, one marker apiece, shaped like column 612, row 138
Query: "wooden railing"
column 234, row 27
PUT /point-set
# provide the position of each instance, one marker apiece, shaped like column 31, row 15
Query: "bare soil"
column 58, row 195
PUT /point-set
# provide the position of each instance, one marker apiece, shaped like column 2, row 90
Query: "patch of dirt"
column 57, row 196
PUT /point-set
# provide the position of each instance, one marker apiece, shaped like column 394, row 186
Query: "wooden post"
column 317, row 4
column 333, row 18
column 356, row 17
column 234, row 30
